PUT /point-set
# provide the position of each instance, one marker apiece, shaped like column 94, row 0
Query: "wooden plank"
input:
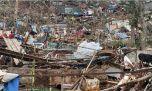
column 15, row 43
column 11, row 46
column 11, row 42
column 7, row 43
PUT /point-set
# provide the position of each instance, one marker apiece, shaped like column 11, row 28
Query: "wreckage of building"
column 60, row 67
column 75, row 45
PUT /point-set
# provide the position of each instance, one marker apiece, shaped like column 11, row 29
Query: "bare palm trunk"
column 143, row 24
column 15, row 13
column 132, row 37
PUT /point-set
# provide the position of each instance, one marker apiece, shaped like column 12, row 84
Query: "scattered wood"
column 133, row 81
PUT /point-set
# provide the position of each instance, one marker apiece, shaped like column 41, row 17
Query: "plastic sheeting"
column 122, row 35
column 12, row 85
column 11, row 81
column 86, row 49
column 127, row 62
column 9, row 76
column 34, row 27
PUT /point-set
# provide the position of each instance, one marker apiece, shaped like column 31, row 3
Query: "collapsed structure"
column 89, row 51
column 96, row 68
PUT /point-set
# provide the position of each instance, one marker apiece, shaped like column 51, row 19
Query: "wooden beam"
column 74, row 72
column 26, row 57
column 55, row 76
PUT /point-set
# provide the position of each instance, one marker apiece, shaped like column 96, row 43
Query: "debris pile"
column 76, row 46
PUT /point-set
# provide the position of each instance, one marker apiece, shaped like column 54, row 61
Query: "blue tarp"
column 12, row 85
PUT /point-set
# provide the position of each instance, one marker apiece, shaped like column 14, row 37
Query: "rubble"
column 79, row 45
